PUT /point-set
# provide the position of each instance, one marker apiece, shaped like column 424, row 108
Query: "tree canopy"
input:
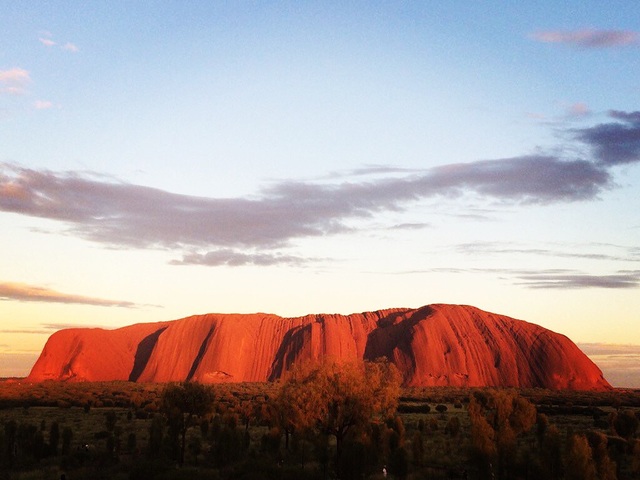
column 335, row 397
column 182, row 404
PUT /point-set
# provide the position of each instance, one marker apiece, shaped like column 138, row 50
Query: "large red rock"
column 433, row 345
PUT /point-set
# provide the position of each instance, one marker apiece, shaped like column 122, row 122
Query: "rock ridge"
column 434, row 345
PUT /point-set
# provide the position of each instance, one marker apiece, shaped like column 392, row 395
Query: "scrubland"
column 124, row 430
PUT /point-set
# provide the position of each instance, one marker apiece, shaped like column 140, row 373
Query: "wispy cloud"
column 610, row 349
column 47, row 42
column 14, row 81
column 584, row 252
column 46, row 39
column 48, row 328
column 251, row 230
column 123, row 214
column 42, row 104
column 619, row 280
column 30, row 331
column 579, row 109
column 33, row 293
column 64, row 326
column 588, row 38
column 550, row 278
column 410, row 226
column 70, row 47
column 234, row 258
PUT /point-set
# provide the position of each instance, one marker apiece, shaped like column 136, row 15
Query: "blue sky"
column 159, row 159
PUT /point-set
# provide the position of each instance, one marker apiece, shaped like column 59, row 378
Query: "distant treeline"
column 17, row 393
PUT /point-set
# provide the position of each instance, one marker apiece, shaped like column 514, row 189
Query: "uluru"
column 435, row 345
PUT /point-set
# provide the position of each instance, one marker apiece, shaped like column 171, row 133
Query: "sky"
column 163, row 159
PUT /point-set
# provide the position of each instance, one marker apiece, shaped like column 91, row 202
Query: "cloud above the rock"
column 251, row 230
column 124, row 214
column 33, row 293
column 619, row 280
column 14, row 81
column 588, row 38
column 234, row 258
column 605, row 252
column 614, row 143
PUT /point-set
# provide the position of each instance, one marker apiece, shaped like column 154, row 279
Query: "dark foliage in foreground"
column 123, row 430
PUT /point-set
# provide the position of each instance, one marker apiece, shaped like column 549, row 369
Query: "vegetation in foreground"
column 348, row 421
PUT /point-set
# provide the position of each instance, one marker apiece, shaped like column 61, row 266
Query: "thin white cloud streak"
column 619, row 280
column 33, row 293
column 47, row 42
column 624, row 254
column 42, row 104
column 234, row 258
column 70, row 47
column 588, row 38
column 579, row 109
column 48, row 328
column 552, row 278
column 66, row 326
column 14, row 75
column 14, row 81
column 29, row 331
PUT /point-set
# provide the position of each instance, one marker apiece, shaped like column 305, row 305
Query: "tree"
column 67, row 435
column 110, row 420
column 54, row 438
column 496, row 421
column 453, row 426
column 483, row 443
column 417, row 447
column 131, row 442
column 183, row 404
column 338, row 397
column 10, row 436
column 550, row 457
column 290, row 411
column 605, row 467
column 156, row 434
column 580, row 464
column 635, row 459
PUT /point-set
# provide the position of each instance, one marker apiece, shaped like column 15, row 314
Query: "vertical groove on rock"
column 143, row 353
column 200, row 355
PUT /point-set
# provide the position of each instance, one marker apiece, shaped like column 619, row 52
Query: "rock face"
column 434, row 345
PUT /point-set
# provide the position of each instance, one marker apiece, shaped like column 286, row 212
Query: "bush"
column 625, row 423
column 452, row 427
column 67, row 435
column 433, row 424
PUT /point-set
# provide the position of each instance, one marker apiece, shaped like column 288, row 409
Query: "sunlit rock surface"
column 434, row 345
